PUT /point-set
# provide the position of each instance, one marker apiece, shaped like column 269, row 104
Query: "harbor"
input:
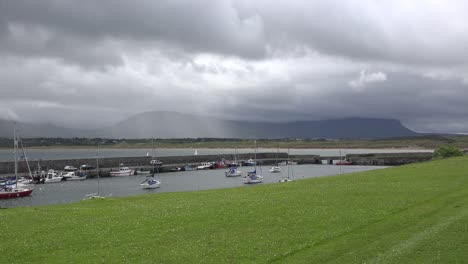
column 179, row 161
column 73, row 191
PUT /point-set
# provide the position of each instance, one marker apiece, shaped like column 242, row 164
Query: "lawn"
column 416, row 213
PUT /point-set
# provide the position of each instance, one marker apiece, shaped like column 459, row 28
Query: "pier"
column 171, row 163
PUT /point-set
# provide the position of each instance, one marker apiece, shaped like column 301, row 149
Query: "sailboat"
column 253, row 177
column 9, row 191
column 96, row 195
column 233, row 171
column 277, row 168
column 290, row 169
column 151, row 182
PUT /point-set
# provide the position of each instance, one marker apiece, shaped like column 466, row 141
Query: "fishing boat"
column 9, row 191
column 205, row 166
column 253, row 177
column 74, row 176
column 122, row 171
column 52, row 176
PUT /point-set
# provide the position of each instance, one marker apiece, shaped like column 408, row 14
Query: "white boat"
column 123, row 171
column 275, row 169
column 253, row 177
column 150, row 183
column 73, row 176
column 205, row 165
column 233, row 172
column 70, row 168
column 52, row 176
column 143, row 172
column 250, row 162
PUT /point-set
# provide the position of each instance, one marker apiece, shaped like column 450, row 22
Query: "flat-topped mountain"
column 162, row 124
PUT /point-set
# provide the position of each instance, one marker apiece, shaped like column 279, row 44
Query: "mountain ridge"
column 166, row 124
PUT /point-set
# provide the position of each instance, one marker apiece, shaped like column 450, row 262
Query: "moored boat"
column 150, row 183
column 205, row 165
column 233, row 172
column 8, row 191
column 73, row 176
column 15, row 192
column 253, row 177
column 275, row 169
column 344, row 162
column 52, row 176
column 123, row 171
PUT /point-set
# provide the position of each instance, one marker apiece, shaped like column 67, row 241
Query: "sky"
column 93, row 63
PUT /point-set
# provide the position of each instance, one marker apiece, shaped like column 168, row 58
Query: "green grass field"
column 411, row 214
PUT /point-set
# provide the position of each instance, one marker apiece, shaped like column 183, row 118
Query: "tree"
column 446, row 152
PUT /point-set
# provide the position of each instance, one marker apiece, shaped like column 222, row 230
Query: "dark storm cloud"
column 71, row 61
column 71, row 29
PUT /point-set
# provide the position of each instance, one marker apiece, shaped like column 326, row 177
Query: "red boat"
column 7, row 192
column 344, row 162
column 14, row 193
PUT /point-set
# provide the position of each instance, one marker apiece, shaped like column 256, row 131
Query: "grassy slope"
column 414, row 213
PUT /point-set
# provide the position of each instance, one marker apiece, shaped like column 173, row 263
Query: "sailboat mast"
column 152, row 157
column 255, row 155
column 277, row 151
column 26, row 159
column 15, row 149
column 97, row 168
column 287, row 163
column 152, row 147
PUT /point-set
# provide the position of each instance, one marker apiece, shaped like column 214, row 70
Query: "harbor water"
column 74, row 191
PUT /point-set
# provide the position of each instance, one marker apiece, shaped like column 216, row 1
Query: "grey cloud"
column 262, row 60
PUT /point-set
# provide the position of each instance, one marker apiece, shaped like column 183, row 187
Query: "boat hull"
column 15, row 193
column 53, row 180
column 76, row 178
column 248, row 180
column 235, row 174
column 119, row 173
column 275, row 170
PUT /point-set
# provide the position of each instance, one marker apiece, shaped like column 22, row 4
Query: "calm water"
column 56, row 154
column 67, row 192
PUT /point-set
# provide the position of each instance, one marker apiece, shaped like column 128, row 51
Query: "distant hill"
column 177, row 125
column 163, row 124
column 29, row 130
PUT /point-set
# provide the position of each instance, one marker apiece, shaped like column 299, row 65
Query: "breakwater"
column 172, row 162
